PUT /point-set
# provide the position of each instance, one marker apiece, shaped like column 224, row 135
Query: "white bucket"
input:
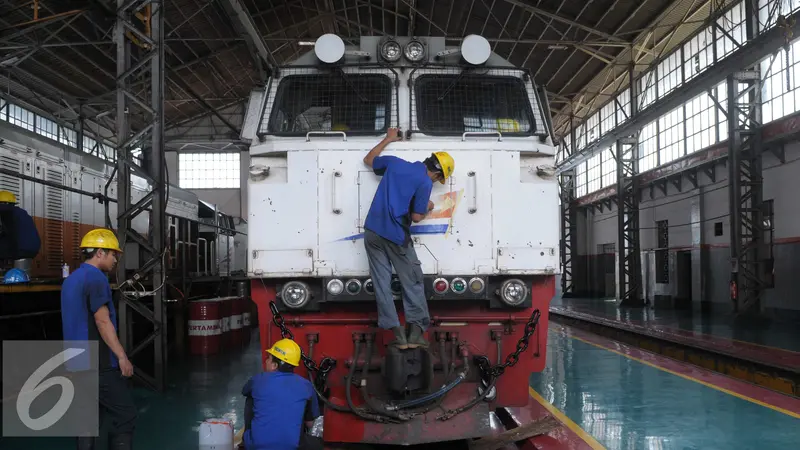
column 216, row 434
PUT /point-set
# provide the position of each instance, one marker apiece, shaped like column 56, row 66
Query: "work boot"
column 415, row 338
column 399, row 338
column 122, row 441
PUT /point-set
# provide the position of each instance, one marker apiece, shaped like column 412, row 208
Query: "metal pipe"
column 297, row 321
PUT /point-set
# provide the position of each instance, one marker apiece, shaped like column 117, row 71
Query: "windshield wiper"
column 450, row 87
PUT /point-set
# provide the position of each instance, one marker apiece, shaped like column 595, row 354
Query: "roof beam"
column 748, row 55
column 237, row 11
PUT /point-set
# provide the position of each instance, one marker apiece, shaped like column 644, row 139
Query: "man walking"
column 403, row 196
column 88, row 314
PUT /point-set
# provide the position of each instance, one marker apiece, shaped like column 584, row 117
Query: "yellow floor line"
column 687, row 377
column 591, row 441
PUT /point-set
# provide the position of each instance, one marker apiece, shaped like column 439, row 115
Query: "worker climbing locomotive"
column 485, row 249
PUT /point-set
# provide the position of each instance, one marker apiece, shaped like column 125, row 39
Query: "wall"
column 692, row 214
column 230, row 201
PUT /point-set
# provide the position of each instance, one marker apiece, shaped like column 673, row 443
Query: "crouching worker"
column 281, row 406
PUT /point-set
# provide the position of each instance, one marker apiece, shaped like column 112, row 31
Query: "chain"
column 327, row 363
column 512, row 358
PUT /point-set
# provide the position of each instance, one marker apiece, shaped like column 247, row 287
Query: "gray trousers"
column 382, row 255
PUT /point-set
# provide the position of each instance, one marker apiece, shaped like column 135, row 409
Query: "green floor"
column 198, row 390
column 625, row 404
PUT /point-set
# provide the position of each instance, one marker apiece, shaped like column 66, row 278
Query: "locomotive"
column 201, row 237
column 489, row 250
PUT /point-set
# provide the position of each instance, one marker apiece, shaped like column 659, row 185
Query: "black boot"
column 399, row 338
column 122, row 441
column 86, row 443
column 415, row 338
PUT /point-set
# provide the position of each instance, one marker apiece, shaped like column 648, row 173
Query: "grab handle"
column 482, row 133
column 473, row 203
column 336, row 175
column 325, row 133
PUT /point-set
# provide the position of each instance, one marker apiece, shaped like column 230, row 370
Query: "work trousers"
column 383, row 254
column 116, row 405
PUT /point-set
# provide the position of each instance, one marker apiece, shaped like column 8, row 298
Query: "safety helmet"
column 100, row 238
column 446, row 164
column 15, row 275
column 8, row 197
column 287, row 351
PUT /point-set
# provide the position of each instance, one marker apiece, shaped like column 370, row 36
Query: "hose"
column 454, row 412
column 374, row 404
column 349, row 384
column 443, row 358
column 420, row 400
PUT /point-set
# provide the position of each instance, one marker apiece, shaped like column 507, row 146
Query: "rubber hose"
column 439, row 393
column 349, row 385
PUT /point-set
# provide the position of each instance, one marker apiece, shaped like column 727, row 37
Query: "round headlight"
column 458, row 285
column 391, row 51
column 476, row 285
column 335, row 287
column 295, row 294
column 369, row 288
column 414, row 51
column 396, row 286
column 353, row 287
column 513, row 292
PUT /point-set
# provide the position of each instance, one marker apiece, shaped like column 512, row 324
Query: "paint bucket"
column 216, row 434
column 205, row 327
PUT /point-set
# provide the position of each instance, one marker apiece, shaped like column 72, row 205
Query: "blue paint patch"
column 417, row 229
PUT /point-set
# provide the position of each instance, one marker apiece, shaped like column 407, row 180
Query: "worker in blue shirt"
column 88, row 314
column 280, row 404
column 19, row 238
column 403, row 196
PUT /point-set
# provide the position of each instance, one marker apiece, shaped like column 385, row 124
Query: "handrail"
column 325, row 133
column 482, row 133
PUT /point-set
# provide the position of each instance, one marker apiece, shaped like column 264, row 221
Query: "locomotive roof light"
column 390, row 50
column 414, row 51
column 513, row 292
column 475, row 49
column 329, row 48
column 295, row 294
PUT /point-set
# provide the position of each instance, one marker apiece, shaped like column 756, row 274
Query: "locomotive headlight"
column 335, row 287
column 414, row 51
column 513, row 292
column 295, row 294
column 391, row 51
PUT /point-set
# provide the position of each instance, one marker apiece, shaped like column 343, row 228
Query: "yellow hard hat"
column 446, row 163
column 287, row 351
column 7, row 197
column 100, row 238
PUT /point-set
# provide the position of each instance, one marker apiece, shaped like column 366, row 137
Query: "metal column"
column 139, row 35
column 568, row 231
column 745, row 191
column 629, row 270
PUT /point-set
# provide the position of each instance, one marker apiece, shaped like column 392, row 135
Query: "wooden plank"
column 521, row 433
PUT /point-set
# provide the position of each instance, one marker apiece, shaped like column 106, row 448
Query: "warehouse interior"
column 673, row 126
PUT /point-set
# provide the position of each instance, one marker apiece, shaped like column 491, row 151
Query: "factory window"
column 593, row 128
column 607, row 122
column 648, row 151
column 769, row 10
column 701, row 123
column 609, row 168
column 448, row 104
column 669, row 74
column 647, row 89
column 593, row 179
column 670, row 137
column 662, row 252
column 698, row 53
column 354, row 103
column 20, row 117
column 209, row 170
column 623, row 106
column 47, row 128
column 731, row 32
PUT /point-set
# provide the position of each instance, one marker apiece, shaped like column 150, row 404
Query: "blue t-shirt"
column 281, row 403
column 403, row 182
column 83, row 292
column 18, row 235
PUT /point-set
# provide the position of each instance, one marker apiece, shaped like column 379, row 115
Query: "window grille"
column 209, row 170
column 447, row 100
column 356, row 100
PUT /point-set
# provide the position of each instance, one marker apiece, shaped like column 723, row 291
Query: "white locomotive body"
column 309, row 190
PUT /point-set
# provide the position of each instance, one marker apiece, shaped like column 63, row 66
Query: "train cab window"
column 354, row 103
column 449, row 104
